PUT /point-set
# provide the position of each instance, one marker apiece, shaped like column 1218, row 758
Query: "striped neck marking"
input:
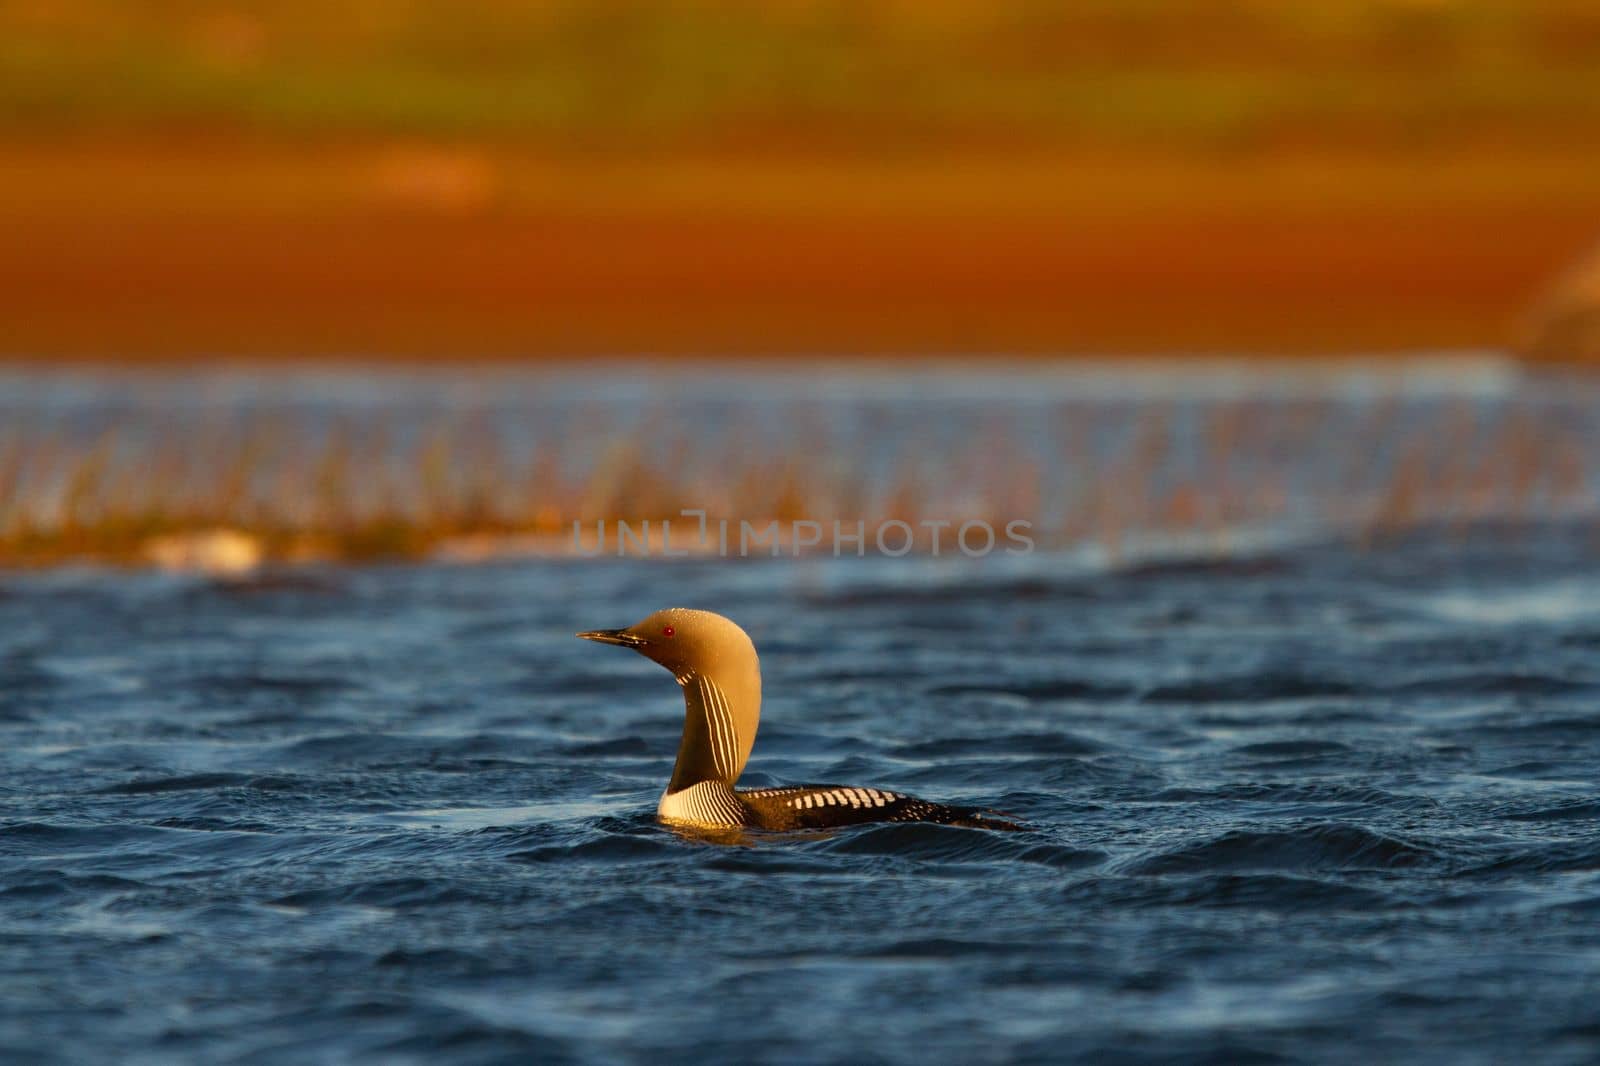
column 721, row 732
column 710, row 803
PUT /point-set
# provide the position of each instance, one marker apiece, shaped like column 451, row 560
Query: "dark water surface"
column 1313, row 806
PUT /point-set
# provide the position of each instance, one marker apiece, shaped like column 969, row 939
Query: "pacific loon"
column 715, row 662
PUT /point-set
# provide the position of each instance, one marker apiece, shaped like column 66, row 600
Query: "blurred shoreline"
column 227, row 472
column 191, row 248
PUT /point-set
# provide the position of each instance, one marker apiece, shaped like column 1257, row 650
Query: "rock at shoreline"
column 1565, row 324
column 215, row 552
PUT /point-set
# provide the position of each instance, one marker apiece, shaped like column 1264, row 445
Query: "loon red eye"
column 667, row 631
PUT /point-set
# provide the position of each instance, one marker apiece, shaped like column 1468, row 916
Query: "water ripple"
column 1319, row 806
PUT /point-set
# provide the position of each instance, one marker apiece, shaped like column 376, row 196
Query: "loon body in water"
column 715, row 662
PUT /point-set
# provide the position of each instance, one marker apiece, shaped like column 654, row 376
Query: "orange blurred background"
column 489, row 179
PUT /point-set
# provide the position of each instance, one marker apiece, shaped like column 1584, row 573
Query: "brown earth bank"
column 188, row 250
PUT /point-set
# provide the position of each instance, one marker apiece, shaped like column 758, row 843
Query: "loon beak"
column 619, row 637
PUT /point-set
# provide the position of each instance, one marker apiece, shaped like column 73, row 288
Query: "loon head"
column 682, row 640
column 715, row 662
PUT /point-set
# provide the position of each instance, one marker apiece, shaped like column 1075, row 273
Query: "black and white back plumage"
column 714, row 804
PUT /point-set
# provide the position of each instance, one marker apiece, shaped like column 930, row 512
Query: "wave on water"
column 1330, row 807
column 1314, row 848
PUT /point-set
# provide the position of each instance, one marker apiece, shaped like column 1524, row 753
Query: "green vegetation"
column 592, row 74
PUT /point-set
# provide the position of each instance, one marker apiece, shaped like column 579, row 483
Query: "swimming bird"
column 716, row 663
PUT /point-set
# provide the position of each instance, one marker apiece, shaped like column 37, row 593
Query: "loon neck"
column 721, row 713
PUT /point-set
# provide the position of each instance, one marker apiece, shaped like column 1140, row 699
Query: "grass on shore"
column 376, row 486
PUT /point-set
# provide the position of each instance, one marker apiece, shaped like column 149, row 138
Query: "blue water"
column 1314, row 805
